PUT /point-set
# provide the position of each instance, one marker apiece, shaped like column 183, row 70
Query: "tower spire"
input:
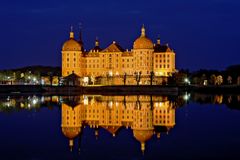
column 80, row 32
column 143, row 147
column 158, row 40
column 71, row 32
column 96, row 42
column 143, row 32
column 71, row 144
column 80, row 36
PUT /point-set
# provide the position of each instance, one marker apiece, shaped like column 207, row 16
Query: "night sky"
column 203, row 33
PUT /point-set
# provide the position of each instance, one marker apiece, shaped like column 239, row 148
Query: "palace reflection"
column 145, row 115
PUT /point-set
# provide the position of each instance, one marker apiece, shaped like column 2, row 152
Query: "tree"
column 213, row 79
column 238, row 80
column 180, row 77
column 50, row 74
column 93, row 79
column 138, row 77
column 151, row 77
column 203, row 78
column 125, row 78
column 219, row 80
column 229, row 80
column 196, row 80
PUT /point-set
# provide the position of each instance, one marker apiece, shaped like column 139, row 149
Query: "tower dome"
column 142, row 136
column 71, row 44
column 71, row 132
column 143, row 42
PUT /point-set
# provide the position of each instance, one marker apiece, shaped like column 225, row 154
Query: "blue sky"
column 204, row 34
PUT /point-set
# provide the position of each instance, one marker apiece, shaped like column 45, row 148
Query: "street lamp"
column 186, row 80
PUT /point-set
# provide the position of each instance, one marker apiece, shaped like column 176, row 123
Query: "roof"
column 112, row 129
column 71, row 45
column 162, row 48
column 71, row 76
column 71, row 132
column 143, row 43
column 114, row 47
column 71, row 101
column 96, row 49
column 143, row 135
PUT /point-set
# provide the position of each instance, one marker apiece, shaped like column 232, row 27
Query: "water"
column 195, row 126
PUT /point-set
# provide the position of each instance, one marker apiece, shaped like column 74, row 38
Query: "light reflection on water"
column 143, row 119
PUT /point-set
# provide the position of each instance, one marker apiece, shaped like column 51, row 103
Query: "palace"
column 145, row 59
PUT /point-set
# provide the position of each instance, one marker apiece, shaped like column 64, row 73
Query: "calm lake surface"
column 131, row 127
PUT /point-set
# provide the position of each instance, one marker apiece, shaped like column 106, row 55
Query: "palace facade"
column 145, row 59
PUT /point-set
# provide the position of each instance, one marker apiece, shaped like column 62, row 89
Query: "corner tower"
column 143, row 53
column 71, row 56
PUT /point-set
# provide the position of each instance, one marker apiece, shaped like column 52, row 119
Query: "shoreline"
column 117, row 90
